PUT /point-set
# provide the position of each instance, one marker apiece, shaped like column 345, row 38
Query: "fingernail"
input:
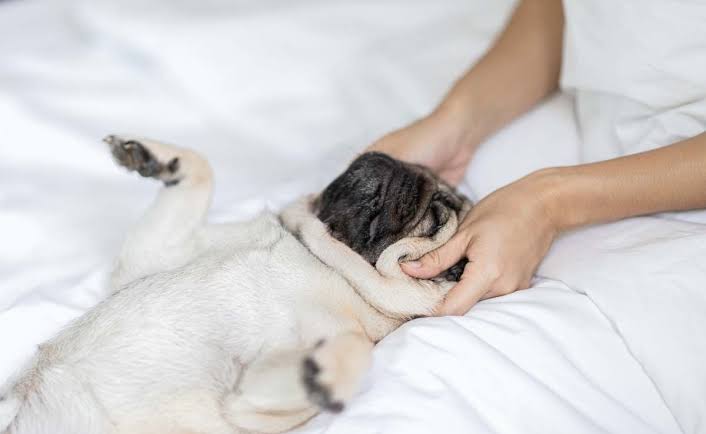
column 413, row 264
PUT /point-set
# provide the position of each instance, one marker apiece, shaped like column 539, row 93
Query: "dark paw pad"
column 318, row 393
column 133, row 155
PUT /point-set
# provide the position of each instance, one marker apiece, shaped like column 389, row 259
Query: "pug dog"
column 249, row 327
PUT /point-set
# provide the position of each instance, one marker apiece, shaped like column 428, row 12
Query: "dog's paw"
column 136, row 156
column 319, row 391
column 331, row 373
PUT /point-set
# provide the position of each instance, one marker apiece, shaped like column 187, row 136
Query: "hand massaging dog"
column 249, row 327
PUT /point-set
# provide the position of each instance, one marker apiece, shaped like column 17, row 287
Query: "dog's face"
column 379, row 200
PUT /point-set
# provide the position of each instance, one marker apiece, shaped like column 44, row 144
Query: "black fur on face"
column 379, row 200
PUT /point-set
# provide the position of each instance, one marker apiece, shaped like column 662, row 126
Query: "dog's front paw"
column 136, row 156
column 331, row 373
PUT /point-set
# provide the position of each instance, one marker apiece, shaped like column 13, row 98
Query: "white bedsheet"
column 279, row 95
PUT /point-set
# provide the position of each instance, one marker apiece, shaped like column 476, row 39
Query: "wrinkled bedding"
column 279, row 96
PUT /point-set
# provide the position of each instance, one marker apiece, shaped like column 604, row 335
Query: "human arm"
column 519, row 70
column 509, row 232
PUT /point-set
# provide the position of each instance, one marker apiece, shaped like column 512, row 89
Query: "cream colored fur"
column 209, row 326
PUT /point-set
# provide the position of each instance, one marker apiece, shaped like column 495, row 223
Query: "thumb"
column 436, row 261
column 473, row 287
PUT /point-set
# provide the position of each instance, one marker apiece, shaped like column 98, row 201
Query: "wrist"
column 456, row 119
column 554, row 188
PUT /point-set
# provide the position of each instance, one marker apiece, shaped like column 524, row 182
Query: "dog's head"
column 379, row 200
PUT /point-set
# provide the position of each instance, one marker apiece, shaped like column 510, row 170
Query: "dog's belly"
column 183, row 338
column 189, row 331
column 159, row 340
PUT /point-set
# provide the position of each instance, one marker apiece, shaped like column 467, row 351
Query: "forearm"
column 672, row 178
column 520, row 69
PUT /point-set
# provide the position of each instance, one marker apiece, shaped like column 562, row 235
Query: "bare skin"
column 520, row 70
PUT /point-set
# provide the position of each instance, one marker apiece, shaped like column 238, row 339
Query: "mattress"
column 279, row 96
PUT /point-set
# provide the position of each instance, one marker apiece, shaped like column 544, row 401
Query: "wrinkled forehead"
column 371, row 175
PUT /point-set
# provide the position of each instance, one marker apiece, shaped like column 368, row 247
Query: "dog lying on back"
column 238, row 328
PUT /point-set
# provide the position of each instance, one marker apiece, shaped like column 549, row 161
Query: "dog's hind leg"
column 333, row 369
column 164, row 238
column 270, row 397
column 285, row 389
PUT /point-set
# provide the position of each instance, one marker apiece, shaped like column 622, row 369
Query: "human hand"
column 441, row 141
column 505, row 237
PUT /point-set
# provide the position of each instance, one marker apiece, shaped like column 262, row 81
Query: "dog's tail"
column 10, row 405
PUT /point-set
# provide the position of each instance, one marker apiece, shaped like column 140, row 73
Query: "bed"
column 279, row 96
